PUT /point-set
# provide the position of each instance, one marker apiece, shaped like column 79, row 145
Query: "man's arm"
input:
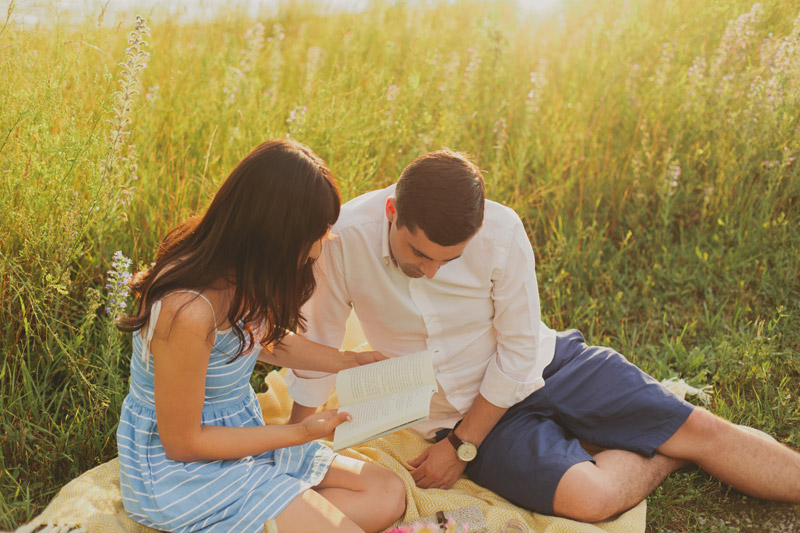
column 299, row 353
column 513, row 373
column 326, row 313
column 300, row 413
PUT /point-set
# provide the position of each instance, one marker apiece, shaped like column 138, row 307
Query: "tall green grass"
column 649, row 146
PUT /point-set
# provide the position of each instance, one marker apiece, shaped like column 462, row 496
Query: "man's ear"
column 391, row 209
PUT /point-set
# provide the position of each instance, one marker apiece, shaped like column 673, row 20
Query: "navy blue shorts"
column 591, row 393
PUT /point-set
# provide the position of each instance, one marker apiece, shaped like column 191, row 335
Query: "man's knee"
column 697, row 436
column 702, row 423
column 583, row 495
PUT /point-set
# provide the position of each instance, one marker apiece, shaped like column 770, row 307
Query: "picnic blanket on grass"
column 92, row 502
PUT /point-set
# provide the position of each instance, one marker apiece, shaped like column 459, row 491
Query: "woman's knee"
column 387, row 489
column 395, row 493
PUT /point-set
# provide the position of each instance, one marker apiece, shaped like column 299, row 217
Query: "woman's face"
column 316, row 248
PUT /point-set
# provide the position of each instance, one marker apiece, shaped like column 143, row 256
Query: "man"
column 430, row 264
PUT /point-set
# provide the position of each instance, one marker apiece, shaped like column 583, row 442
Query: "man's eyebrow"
column 430, row 258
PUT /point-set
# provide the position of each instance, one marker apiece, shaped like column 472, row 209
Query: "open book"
column 384, row 397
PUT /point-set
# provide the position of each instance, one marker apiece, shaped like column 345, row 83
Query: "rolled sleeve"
column 503, row 390
column 312, row 389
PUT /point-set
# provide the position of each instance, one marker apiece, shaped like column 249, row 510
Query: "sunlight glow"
column 540, row 5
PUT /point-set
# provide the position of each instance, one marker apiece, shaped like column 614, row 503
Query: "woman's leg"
column 369, row 495
column 312, row 512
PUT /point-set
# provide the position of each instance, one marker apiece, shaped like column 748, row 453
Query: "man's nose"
column 429, row 268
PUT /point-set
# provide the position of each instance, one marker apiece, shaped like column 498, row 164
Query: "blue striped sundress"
column 229, row 495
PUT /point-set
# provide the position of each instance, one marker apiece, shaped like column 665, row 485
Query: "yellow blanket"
column 92, row 501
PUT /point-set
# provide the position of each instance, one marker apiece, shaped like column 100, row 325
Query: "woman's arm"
column 181, row 349
column 299, row 353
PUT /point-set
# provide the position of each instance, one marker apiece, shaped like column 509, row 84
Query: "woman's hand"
column 322, row 424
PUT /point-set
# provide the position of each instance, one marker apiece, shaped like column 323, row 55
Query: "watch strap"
column 454, row 440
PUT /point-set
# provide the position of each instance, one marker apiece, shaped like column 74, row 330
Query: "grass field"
column 650, row 146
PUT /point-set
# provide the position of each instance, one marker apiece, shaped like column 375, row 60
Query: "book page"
column 385, row 377
column 380, row 415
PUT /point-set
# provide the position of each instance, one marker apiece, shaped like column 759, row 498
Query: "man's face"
column 414, row 253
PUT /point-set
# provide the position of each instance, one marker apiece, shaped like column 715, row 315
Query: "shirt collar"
column 386, row 253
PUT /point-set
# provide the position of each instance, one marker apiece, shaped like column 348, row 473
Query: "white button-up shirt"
column 479, row 314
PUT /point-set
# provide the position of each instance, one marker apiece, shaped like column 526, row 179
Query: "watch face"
column 467, row 451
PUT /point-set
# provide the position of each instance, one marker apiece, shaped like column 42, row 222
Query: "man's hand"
column 365, row 358
column 322, row 424
column 437, row 468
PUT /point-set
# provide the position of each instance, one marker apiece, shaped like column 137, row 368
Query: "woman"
column 225, row 289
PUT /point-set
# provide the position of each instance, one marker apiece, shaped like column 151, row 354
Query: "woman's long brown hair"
column 257, row 232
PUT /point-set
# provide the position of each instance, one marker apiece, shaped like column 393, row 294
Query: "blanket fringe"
column 51, row 528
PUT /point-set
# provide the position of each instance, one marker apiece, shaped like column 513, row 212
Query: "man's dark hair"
column 441, row 193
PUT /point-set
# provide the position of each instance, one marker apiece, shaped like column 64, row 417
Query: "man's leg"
column 592, row 492
column 596, row 395
column 746, row 461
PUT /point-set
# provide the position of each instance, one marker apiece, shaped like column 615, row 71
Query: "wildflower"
column 664, row 64
column 418, row 527
column 725, row 83
column 278, row 32
column 783, row 67
column 391, row 96
column 449, row 71
column 736, row 39
column 132, row 164
column 760, row 97
column 425, row 139
column 117, row 291
column 695, row 76
column 788, row 158
column 152, row 93
column 236, row 76
column 472, row 67
column 315, row 58
column 296, row 120
column 697, row 70
column 136, row 60
column 671, row 178
column 254, row 38
column 500, row 135
column 391, row 92
column 632, row 80
column 230, row 88
column 534, row 95
column 275, row 59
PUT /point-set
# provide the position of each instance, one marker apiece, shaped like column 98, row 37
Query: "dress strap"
column 150, row 329
column 213, row 313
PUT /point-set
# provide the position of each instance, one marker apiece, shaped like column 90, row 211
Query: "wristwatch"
column 466, row 451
